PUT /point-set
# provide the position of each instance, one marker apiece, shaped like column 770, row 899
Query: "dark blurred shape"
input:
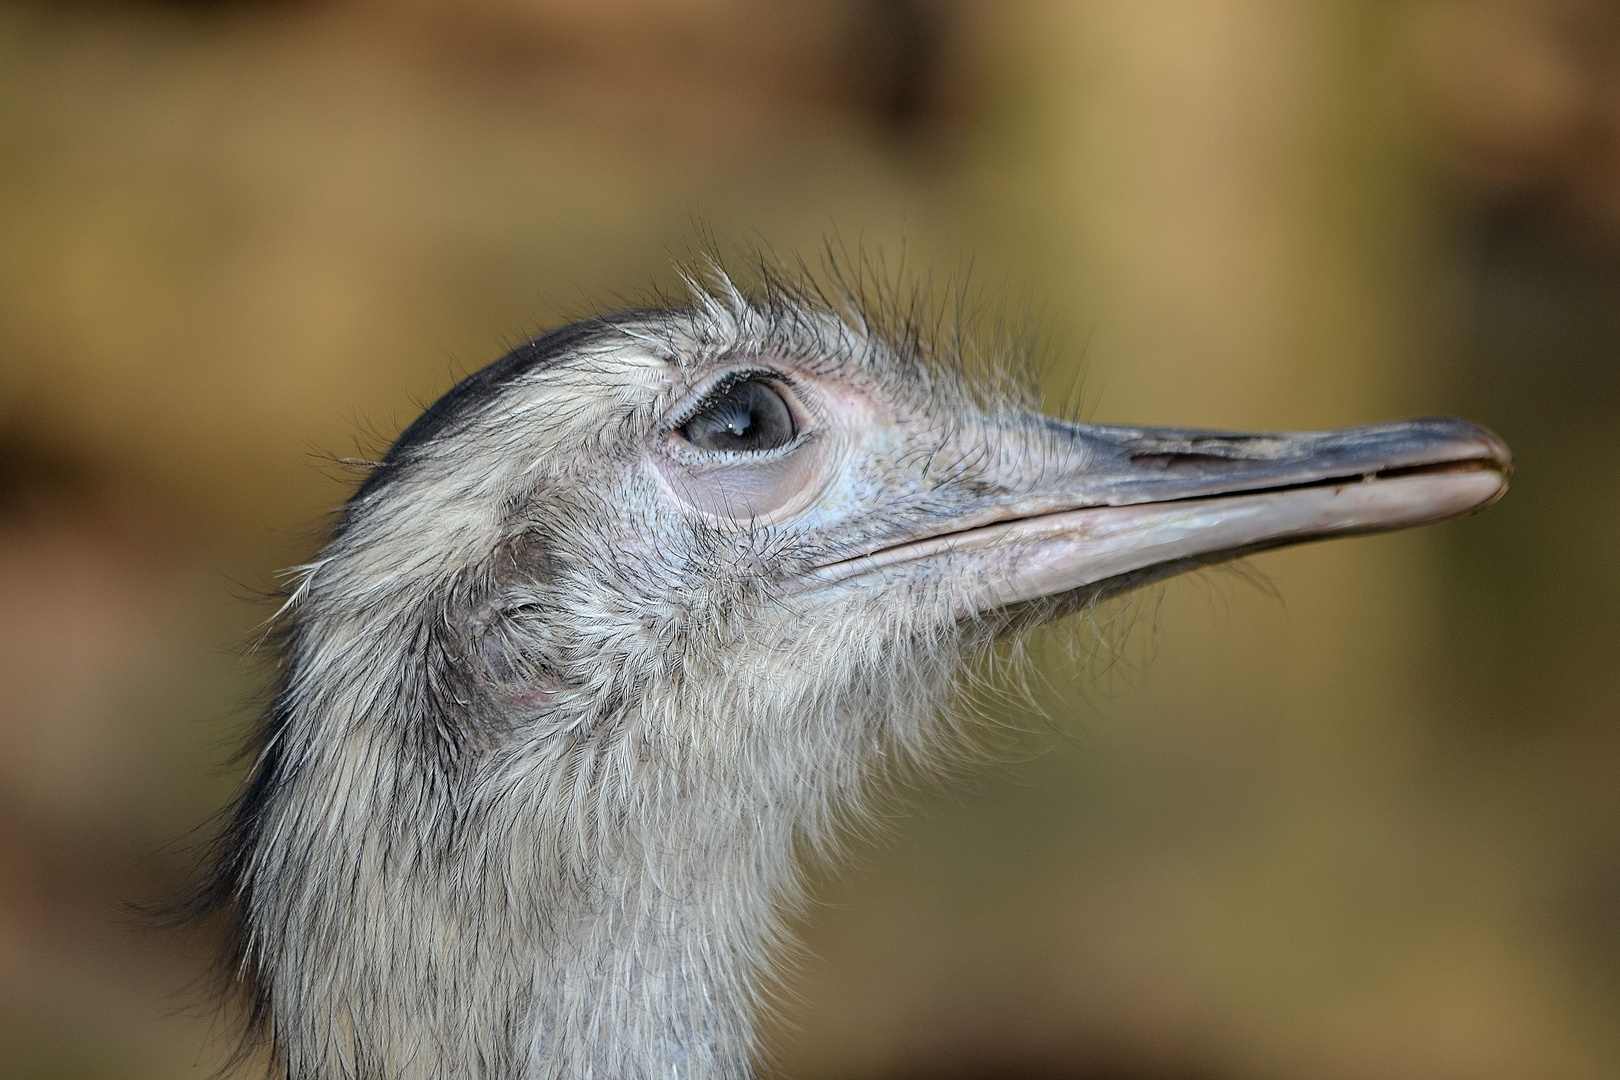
column 1530, row 595
column 30, row 472
column 1530, row 95
column 192, row 7
column 674, row 62
column 1540, row 354
column 1591, row 917
column 893, row 62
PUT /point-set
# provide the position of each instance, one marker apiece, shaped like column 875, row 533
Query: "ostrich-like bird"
column 631, row 615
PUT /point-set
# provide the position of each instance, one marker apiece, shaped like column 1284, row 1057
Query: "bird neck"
column 421, row 897
column 649, row 963
column 604, row 913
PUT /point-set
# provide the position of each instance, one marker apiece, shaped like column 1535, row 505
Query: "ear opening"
column 507, row 657
column 506, row 641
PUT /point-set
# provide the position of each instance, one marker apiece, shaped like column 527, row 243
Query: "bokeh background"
column 1354, row 813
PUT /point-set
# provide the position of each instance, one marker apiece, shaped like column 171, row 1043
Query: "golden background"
column 1363, row 821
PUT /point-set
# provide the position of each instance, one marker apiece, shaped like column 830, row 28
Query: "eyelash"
column 693, row 405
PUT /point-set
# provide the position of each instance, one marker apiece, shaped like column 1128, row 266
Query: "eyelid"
column 676, row 446
column 691, row 403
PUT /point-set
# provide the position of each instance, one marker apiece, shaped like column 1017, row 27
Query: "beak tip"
column 1483, row 443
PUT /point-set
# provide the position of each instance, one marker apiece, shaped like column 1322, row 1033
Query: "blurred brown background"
column 1368, row 829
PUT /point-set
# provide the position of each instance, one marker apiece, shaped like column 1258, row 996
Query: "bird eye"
column 748, row 416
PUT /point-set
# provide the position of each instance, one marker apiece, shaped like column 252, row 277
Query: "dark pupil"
column 746, row 415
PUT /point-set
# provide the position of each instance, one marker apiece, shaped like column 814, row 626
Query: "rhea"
column 629, row 619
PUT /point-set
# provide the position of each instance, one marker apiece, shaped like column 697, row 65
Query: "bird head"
column 735, row 506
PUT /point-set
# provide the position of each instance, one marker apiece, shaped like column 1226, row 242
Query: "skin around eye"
column 748, row 416
column 742, row 454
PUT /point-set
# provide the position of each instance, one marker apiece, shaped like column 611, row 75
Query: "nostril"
column 1185, row 463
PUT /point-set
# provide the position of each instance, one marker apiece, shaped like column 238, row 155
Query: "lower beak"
column 1135, row 504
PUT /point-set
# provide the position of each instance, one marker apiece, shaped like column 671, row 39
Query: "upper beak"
column 1110, row 507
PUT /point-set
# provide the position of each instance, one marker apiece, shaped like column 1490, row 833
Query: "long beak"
column 1129, row 504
